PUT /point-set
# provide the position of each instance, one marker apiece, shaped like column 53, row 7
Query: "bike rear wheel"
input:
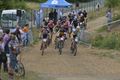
column 44, row 46
column 75, row 52
column 19, row 69
column 42, row 52
column 74, row 49
column 60, row 47
column 60, row 51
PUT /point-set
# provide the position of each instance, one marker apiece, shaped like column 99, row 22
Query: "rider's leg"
column 0, row 61
column 10, row 70
column 4, row 61
column 0, row 75
column 10, row 74
column 41, row 46
column 71, row 45
column 27, row 39
column 51, row 36
column 5, row 65
column 0, row 65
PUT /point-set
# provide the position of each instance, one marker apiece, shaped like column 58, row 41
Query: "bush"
column 111, row 41
column 97, row 40
column 117, row 17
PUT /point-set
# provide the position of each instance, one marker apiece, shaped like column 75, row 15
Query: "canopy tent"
column 55, row 4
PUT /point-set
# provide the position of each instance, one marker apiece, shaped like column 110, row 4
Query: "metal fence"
column 88, row 36
column 10, row 22
column 35, row 17
column 88, row 6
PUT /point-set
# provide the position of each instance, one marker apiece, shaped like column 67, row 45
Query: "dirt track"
column 84, row 66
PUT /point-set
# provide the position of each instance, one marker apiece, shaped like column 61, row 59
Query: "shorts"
column 66, row 29
column 45, row 35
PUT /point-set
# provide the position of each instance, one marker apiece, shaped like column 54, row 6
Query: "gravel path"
column 84, row 66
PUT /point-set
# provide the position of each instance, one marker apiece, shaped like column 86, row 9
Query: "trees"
column 112, row 3
column 10, row 4
column 66, row 0
column 78, row 0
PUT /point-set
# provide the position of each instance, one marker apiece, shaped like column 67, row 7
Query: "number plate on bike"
column 62, row 38
column 76, row 40
column 45, row 40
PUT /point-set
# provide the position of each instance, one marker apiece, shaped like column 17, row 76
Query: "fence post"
column 31, row 29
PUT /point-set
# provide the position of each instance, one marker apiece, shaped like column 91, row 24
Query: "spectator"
column 109, row 18
column 85, row 18
column 3, row 58
column 98, row 7
column 55, row 16
column 51, row 15
column 60, row 14
column 6, row 39
column 18, row 34
column 85, row 13
column 14, row 51
column 70, row 17
column 2, row 54
column 25, row 35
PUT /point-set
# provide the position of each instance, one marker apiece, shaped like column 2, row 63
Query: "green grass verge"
column 109, row 41
column 28, row 76
column 35, row 35
column 96, row 14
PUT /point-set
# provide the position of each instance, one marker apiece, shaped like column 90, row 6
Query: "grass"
column 29, row 76
column 35, row 35
column 109, row 41
column 96, row 14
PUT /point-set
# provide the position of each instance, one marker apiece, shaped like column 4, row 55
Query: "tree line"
column 9, row 4
column 66, row 0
